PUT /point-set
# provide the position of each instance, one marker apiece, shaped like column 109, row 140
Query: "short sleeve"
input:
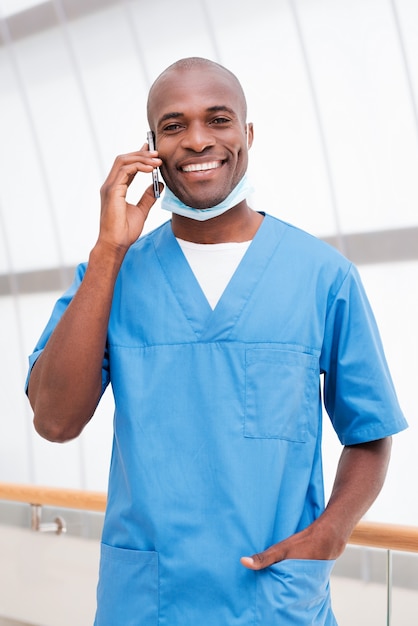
column 58, row 310
column 359, row 394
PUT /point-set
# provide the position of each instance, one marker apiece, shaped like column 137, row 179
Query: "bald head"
column 205, row 68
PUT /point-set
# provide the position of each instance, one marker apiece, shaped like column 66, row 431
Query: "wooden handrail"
column 51, row 496
column 371, row 534
column 387, row 536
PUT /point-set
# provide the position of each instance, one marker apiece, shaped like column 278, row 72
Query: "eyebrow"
column 221, row 107
column 214, row 109
column 169, row 116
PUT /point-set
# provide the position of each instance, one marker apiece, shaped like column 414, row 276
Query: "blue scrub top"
column 217, row 429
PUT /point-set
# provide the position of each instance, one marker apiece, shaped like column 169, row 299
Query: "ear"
column 249, row 131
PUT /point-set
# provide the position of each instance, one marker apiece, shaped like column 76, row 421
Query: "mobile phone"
column 155, row 183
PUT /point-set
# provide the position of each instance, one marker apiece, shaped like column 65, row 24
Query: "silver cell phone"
column 155, row 182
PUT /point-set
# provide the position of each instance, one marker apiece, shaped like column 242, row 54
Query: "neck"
column 238, row 224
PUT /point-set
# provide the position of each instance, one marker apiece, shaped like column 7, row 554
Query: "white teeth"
column 200, row 167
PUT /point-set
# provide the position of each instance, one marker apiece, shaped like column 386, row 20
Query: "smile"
column 201, row 167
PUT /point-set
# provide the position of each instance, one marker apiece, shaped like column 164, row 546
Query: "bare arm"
column 65, row 383
column 360, row 476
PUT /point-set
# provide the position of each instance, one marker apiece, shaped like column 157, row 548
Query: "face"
column 201, row 133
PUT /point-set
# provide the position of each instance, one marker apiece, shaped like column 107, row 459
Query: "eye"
column 220, row 120
column 172, row 127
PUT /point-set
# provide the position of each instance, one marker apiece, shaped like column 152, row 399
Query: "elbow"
column 58, row 419
column 61, row 416
column 56, row 430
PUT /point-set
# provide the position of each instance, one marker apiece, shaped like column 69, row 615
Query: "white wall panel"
column 58, row 465
column 7, row 7
column 83, row 463
column 5, row 265
column 53, row 464
column 406, row 12
column 167, row 31
column 362, row 89
column 113, row 81
column 392, row 289
column 68, row 152
column 23, row 196
column 23, row 318
column 286, row 160
column 15, row 448
column 392, row 293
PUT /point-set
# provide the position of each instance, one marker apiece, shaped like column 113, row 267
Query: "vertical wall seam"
column 14, row 291
column 321, row 131
column 63, row 23
column 8, row 42
column 127, row 5
column 211, row 30
column 405, row 61
column 5, row 32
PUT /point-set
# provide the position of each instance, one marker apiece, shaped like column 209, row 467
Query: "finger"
column 126, row 173
column 261, row 560
column 148, row 199
column 142, row 157
column 147, row 149
column 140, row 152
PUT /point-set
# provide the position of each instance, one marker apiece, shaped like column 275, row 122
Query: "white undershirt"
column 213, row 264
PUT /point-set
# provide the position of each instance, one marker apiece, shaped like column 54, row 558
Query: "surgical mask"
column 170, row 202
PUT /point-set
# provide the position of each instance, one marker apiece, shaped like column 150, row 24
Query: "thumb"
column 264, row 559
column 148, row 199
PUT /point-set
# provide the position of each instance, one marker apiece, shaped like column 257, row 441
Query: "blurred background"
column 332, row 89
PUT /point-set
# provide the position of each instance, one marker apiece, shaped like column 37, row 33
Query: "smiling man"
column 214, row 331
column 203, row 148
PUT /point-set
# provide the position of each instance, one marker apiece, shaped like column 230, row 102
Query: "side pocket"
column 295, row 593
column 127, row 592
column 281, row 391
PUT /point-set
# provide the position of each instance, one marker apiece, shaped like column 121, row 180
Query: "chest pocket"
column 281, row 394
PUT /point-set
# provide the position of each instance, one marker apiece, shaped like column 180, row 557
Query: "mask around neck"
column 170, row 202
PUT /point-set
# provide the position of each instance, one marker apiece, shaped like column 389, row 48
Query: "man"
column 214, row 330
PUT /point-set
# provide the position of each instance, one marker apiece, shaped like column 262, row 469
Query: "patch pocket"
column 295, row 593
column 128, row 588
column 281, row 391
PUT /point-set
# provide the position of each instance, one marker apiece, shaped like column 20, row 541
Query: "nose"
column 198, row 137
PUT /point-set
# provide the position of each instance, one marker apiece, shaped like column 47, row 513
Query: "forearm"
column 360, row 476
column 65, row 383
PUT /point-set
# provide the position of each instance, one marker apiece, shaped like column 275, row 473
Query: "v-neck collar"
column 216, row 324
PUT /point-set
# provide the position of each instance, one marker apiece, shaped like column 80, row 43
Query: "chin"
column 203, row 201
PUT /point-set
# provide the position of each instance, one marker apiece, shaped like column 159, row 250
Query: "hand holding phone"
column 155, row 182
